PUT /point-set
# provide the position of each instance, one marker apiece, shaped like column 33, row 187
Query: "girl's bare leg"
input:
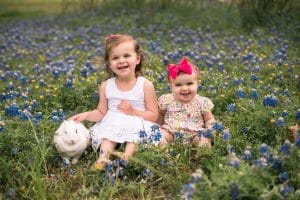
column 129, row 150
column 106, row 149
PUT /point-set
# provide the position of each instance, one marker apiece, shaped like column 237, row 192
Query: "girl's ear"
column 138, row 59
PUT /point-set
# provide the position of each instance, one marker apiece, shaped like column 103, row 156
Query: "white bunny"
column 70, row 140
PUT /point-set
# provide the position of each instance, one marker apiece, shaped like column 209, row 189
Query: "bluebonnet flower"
column 284, row 176
column 15, row 151
column 231, row 107
column 12, row 110
column 254, row 93
column 253, row 77
column 286, row 147
column 233, row 160
column 234, row 191
column 298, row 140
column 226, row 135
column 286, row 93
column 25, row 115
column 39, row 116
column 10, row 193
column 68, row 83
column 264, row 150
column 147, row 172
column 220, row 66
column 298, row 114
column 163, row 162
column 284, row 113
column 84, row 72
column 247, row 153
column 42, row 82
column 260, row 163
column 280, row 122
column 187, row 191
column 55, row 119
column 241, row 94
column 218, row 126
column 55, row 73
column 11, row 86
column 285, row 190
column 276, row 162
column 208, row 133
column 270, row 100
column 235, row 82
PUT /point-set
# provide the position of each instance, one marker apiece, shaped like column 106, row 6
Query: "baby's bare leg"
column 106, row 148
column 167, row 137
column 129, row 150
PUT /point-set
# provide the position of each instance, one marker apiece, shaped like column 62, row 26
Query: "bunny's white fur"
column 70, row 140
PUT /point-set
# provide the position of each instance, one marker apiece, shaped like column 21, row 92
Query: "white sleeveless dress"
column 119, row 127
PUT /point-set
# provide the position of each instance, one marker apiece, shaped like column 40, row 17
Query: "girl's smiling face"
column 184, row 87
column 123, row 59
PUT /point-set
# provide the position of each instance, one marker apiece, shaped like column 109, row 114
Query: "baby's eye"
column 177, row 85
column 190, row 83
column 127, row 55
column 115, row 58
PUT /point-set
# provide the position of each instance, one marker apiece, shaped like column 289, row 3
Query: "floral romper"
column 181, row 118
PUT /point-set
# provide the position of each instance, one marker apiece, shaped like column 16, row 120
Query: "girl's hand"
column 126, row 108
column 79, row 117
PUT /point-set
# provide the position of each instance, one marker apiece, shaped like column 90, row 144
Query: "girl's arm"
column 208, row 119
column 161, row 117
column 151, row 103
column 97, row 114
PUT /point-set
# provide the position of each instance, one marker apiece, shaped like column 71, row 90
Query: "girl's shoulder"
column 146, row 82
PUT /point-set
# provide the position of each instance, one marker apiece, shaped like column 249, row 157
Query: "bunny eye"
column 65, row 132
column 76, row 131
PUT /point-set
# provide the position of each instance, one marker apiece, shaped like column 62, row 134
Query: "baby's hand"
column 126, row 107
column 205, row 142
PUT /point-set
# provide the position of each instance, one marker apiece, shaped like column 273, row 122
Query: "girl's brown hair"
column 114, row 40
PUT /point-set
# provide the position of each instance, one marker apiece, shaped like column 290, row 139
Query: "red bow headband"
column 183, row 66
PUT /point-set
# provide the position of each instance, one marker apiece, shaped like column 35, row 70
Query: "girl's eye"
column 127, row 55
column 190, row 83
column 114, row 58
column 177, row 84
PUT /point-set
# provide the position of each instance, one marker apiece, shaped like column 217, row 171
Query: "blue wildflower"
column 260, row 163
column 226, row 135
column 247, row 153
column 241, row 94
column 187, row 191
column 276, row 162
column 10, row 193
column 147, row 172
column 218, row 126
column 208, row 133
column 284, row 113
column 286, row 93
column 270, row 100
column 284, row 176
column 264, row 150
column 234, row 191
column 298, row 114
column 68, row 83
column 12, row 110
column 286, row 147
column 285, row 190
column 230, row 107
column 233, row 160
column 253, row 77
column 163, row 162
column 254, row 93
column 84, row 72
column 280, row 122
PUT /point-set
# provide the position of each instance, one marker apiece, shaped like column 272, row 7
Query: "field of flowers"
column 50, row 68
